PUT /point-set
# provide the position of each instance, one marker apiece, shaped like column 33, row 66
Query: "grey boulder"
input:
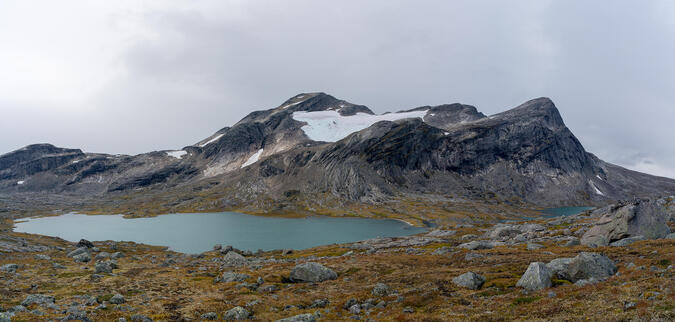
column 237, row 313
column 233, row 277
column 469, row 280
column 117, row 299
column 626, row 241
column 82, row 258
column 301, row 318
column 587, row 265
column 536, row 277
column 559, row 268
column 38, row 299
column 312, row 272
column 381, row 289
column 233, row 258
column 78, row 251
column 9, row 268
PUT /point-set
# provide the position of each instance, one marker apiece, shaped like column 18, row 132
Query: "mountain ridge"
column 524, row 156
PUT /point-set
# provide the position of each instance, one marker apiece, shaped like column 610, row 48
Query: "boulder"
column 301, row 318
column 42, row 257
column 587, row 265
column 102, row 255
column 38, row 299
column 312, row 272
column 237, row 313
column 626, row 241
column 233, row 277
column 82, row 258
column 639, row 217
column 84, row 243
column 559, row 268
column 104, row 267
column 140, row 318
column 209, row 316
column 441, row 233
column 480, row 244
column 234, row 259
column 78, row 251
column 469, row 280
column 117, row 299
column 381, row 289
column 9, row 268
column 536, row 277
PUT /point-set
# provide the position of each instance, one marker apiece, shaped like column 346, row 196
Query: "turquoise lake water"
column 564, row 211
column 195, row 233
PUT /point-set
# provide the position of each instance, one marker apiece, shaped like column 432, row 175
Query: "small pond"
column 195, row 233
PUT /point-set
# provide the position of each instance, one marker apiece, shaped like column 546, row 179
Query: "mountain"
column 317, row 153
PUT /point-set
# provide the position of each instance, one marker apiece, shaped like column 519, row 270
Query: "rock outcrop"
column 640, row 217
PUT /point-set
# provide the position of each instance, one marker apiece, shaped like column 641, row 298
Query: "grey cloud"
column 607, row 65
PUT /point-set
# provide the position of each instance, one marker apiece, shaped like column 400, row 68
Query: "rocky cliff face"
column 315, row 146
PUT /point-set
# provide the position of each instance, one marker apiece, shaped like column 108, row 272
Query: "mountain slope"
column 315, row 151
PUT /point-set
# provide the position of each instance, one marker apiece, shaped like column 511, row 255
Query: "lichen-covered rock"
column 559, row 268
column 480, row 244
column 78, row 251
column 209, row 316
column 237, row 313
column 312, row 272
column 233, row 258
column 301, row 318
column 117, row 299
column 82, row 258
column 469, row 280
column 381, row 289
column 537, row 277
column 9, row 268
column 233, row 277
column 39, row 299
column 104, row 267
column 587, row 265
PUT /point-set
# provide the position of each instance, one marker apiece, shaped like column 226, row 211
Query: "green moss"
column 103, row 298
column 557, row 282
column 526, row 300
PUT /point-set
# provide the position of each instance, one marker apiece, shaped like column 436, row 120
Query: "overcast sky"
column 136, row 76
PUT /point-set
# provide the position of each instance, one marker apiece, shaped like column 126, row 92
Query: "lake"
column 195, row 233
column 564, row 211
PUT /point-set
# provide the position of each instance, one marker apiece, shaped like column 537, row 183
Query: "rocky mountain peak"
column 313, row 102
column 536, row 110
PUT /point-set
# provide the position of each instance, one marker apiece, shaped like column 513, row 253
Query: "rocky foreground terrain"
column 612, row 264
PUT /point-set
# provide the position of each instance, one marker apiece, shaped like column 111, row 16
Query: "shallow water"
column 564, row 211
column 195, row 233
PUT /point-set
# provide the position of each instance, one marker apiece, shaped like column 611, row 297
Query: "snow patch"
column 76, row 161
column 177, row 154
column 330, row 126
column 598, row 176
column 253, row 159
column 20, row 182
column 211, row 141
column 597, row 191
